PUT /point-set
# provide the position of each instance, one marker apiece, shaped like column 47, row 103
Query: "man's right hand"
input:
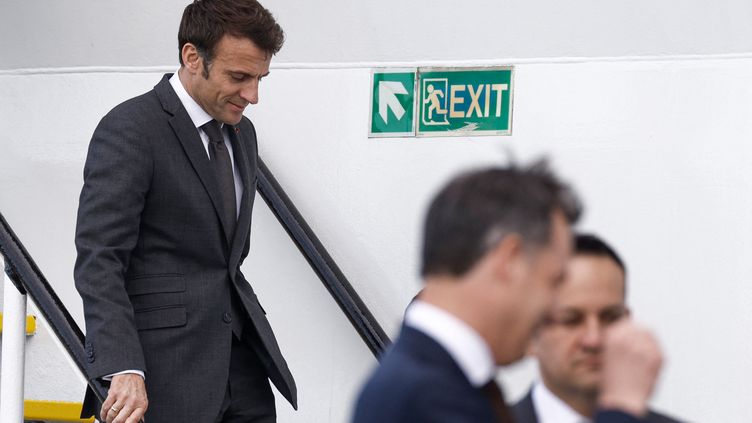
column 126, row 401
column 631, row 362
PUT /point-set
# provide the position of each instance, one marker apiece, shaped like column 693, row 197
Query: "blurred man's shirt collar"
column 551, row 409
column 463, row 343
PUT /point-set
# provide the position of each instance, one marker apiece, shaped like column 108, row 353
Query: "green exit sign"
column 432, row 102
column 465, row 101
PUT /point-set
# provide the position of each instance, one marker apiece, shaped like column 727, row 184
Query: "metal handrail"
column 28, row 279
column 321, row 262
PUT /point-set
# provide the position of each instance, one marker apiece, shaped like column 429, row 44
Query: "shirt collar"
column 551, row 408
column 197, row 114
column 462, row 342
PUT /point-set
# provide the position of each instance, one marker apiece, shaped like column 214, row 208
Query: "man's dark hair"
column 591, row 245
column 205, row 22
column 477, row 209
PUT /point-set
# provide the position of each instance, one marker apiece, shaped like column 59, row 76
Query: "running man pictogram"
column 433, row 98
column 434, row 107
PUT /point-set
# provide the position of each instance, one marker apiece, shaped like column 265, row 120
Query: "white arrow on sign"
column 388, row 91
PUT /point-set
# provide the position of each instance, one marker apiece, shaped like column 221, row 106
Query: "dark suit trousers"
column 248, row 396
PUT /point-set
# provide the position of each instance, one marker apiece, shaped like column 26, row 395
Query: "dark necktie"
column 222, row 165
column 496, row 398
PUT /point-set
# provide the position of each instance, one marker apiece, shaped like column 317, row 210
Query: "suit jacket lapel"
column 194, row 148
column 244, row 219
column 429, row 351
column 195, row 151
column 189, row 138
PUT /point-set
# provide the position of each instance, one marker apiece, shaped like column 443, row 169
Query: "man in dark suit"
column 164, row 226
column 569, row 345
column 496, row 242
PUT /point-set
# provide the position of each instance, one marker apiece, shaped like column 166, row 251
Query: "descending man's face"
column 233, row 79
column 568, row 345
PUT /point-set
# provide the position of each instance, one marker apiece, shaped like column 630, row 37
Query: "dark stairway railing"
column 321, row 262
column 27, row 278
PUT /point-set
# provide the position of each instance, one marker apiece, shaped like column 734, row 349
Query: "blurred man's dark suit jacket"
column 524, row 412
column 418, row 381
column 155, row 268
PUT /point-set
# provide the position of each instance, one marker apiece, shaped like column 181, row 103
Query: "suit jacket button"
column 227, row 318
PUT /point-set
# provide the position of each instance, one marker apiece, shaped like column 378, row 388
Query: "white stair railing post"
column 13, row 360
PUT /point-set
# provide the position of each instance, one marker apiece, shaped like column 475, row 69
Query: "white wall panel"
column 658, row 150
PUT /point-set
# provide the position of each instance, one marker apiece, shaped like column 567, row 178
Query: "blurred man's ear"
column 508, row 258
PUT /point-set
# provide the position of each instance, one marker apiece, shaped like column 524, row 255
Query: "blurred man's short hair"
column 477, row 210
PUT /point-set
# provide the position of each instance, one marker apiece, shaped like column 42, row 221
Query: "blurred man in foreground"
column 569, row 345
column 495, row 247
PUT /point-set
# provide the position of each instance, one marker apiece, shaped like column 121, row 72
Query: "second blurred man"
column 569, row 345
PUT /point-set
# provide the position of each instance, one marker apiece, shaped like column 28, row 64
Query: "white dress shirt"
column 199, row 117
column 551, row 409
column 464, row 344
